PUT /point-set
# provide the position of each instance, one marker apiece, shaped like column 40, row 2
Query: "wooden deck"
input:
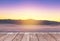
column 29, row 36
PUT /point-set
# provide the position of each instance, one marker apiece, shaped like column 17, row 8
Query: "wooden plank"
column 10, row 37
column 1, row 35
column 19, row 37
column 32, row 37
column 57, row 36
column 27, row 36
column 40, row 37
column 49, row 37
column 2, row 38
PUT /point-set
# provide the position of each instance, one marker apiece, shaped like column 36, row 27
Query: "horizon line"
column 28, row 19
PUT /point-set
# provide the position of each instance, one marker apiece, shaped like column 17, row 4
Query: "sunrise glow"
column 30, row 9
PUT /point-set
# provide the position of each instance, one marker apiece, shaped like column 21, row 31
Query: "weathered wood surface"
column 29, row 36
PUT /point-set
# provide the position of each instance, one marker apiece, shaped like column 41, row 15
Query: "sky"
column 30, row 9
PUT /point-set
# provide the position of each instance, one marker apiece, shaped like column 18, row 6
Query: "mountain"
column 29, row 22
column 46, row 22
column 9, row 21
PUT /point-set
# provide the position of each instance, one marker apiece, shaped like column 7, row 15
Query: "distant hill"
column 39, row 22
column 8, row 21
column 46, row 22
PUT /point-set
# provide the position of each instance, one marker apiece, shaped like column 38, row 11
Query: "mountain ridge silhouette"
column 40, row 22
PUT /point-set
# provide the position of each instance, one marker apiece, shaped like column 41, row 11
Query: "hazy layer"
column 13, row 27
